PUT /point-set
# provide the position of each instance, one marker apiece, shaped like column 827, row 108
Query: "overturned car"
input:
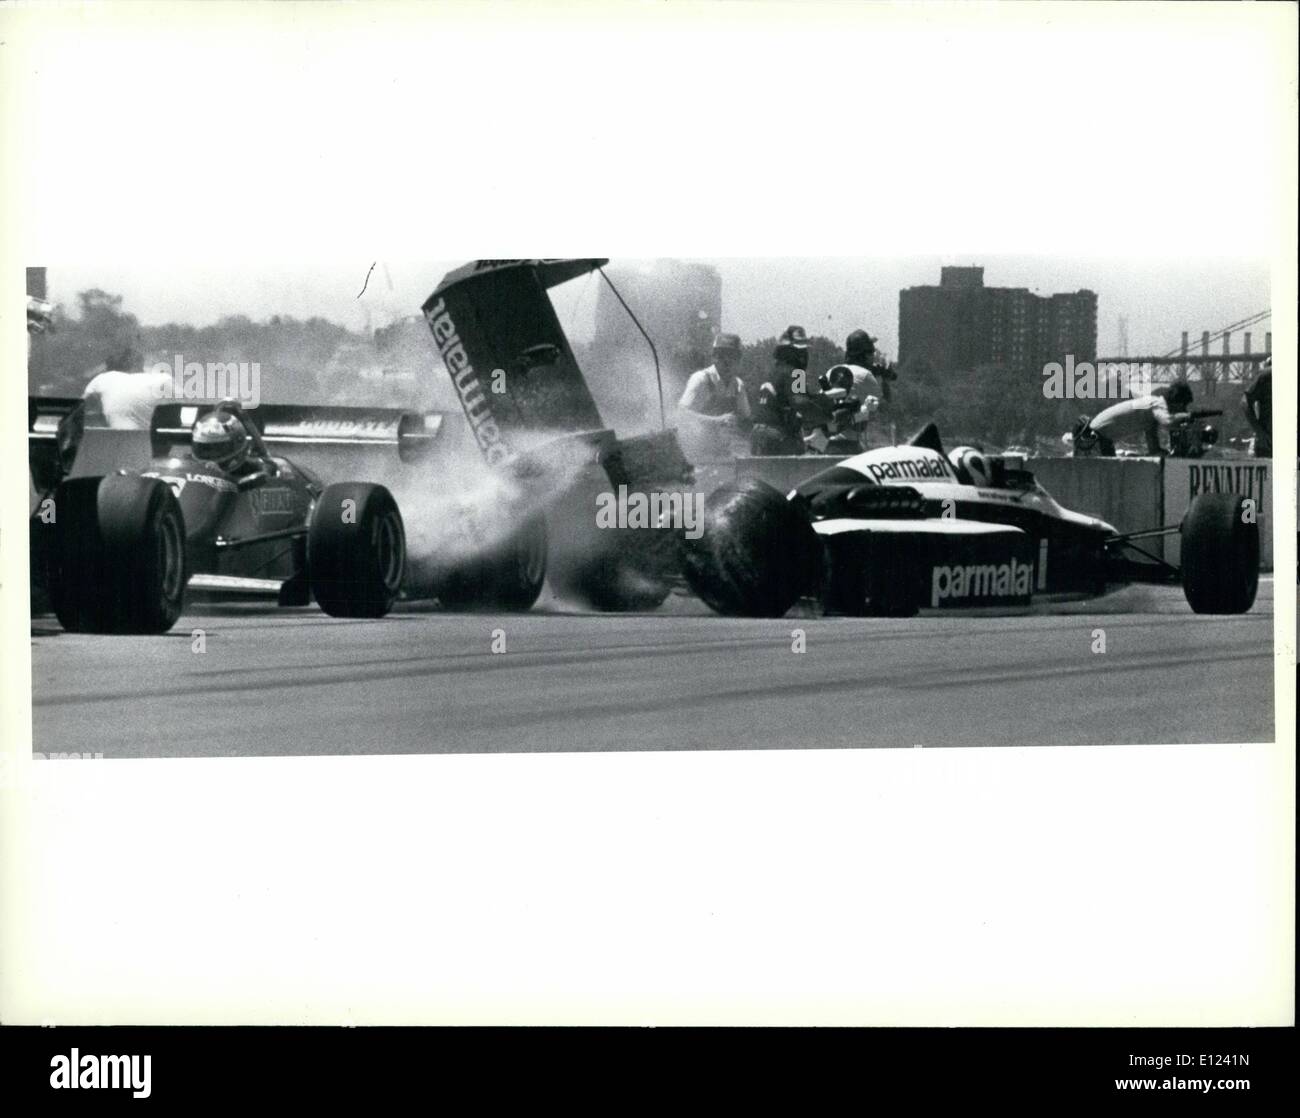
column 538, row 427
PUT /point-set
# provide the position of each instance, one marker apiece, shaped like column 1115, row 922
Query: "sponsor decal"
column 980, row 580
column 218, row 483
column 277, row 501
column 362, row 429
column 1246, row 480
column 178, row 483
column 911, row 469
column 450, row 348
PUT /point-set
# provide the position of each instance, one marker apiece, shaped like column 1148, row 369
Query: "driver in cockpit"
column 971, row 465
column 223, row 437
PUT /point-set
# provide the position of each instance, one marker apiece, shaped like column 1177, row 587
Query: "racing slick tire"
column 508, row 577
column 356, row 550
column 757, row 554
column 1220, row 553
column 116, row 561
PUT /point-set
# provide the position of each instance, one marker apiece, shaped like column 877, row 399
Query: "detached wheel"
column 507, row 578
column 1220, row 553
column 758, row 552
column 116, row 562
column 356, row 550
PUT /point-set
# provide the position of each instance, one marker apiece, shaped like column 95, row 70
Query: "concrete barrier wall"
column 105, row 451
column 1186, row 478
column 1124, row 492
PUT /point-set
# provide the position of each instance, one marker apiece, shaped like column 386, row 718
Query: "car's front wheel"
column 1220, row 553
column 356, row 550
column 757, row 553
column 116, row 558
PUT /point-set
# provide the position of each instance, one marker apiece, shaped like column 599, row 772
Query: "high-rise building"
column 961, row 324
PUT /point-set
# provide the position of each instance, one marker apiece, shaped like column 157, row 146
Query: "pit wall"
column 1132, row 494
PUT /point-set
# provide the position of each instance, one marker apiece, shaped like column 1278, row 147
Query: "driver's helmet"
column 971, row 465
column 1209, row 435
column 220, row 437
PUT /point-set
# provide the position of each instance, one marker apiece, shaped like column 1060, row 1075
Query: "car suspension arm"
column 283, row 534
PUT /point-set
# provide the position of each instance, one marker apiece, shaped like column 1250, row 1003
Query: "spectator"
column 126, row 400
column 778, row 428
column 856, row 393
column 860, row 360
column 715, row 400
column 1143, row 415
column 1257, row 403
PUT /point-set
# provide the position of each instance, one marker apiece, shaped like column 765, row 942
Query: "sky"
column 760, row 296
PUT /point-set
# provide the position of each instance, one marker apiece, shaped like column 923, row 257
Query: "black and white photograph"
column 650, row 515
column 532, row 513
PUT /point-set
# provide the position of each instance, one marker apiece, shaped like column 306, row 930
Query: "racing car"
column 900, row 529
column 213, row 510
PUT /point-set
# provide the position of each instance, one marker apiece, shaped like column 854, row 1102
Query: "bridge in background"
column 1205, row 368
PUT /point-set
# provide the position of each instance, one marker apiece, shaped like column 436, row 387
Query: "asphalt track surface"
column 295, row 682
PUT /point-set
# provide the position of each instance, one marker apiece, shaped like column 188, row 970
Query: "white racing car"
column 900, row 529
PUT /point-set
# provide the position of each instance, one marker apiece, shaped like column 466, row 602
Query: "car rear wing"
column 285, row 426
column 45, row 413
column 54, row 425
column 506, row 352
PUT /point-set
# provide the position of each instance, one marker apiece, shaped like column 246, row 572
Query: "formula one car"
column 900, row 529
column 213, row 511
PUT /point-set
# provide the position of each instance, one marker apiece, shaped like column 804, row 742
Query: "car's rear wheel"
column 508, row 577
column 1220, row 553
column 116, row 562
column 356, row 550
column 757, row 554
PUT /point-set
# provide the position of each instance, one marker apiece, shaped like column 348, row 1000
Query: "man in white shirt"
column 715, row 399
column 1143, row 415
column 126, row 400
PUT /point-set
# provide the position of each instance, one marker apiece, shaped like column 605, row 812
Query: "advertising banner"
column 1185, row 478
